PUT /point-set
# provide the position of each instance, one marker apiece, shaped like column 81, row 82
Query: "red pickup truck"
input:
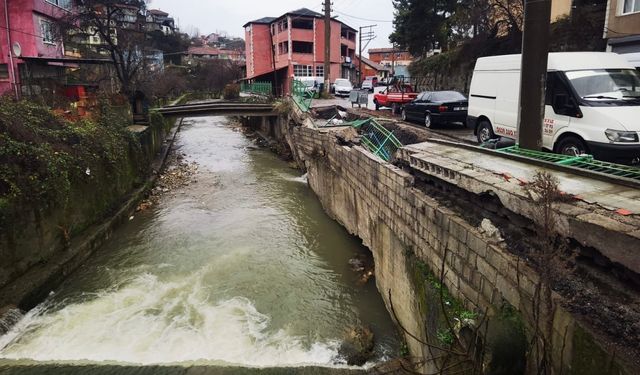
column 394, row 97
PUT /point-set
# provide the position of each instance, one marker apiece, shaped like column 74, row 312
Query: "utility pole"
column 533, row 74
column 327, row 46
column 367, row 36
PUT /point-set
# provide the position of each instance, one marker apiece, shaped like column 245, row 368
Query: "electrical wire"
column 362, row 19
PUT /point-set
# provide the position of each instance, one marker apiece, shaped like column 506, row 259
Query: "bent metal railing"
column 586, row 162
column 376, row 138
column 301, row 95
column 257, row 88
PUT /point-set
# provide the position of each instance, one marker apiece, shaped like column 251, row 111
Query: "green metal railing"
column 376, row 138
column 258, row 88
column 301, row 95
column 583, row 162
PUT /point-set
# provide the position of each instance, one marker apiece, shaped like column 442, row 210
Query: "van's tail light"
column 443, row 108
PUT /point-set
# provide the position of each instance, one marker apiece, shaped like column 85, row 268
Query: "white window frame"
column 303, row 71
column 319, row 71
column 634, row 3
column 46, row 29
column 64, row 4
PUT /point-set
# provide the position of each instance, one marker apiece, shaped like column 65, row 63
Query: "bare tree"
column 115, row 28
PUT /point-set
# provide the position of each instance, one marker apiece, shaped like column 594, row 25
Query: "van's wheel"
column 404, row 114
column 375, row 102
column 485, row 132
column 572, row 145
column 428, row 122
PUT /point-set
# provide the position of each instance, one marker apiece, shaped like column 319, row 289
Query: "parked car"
column 394, row 97
column 437, row 107
column 312, row 83
column 369, row 83
column 592, row 103
column 342, row 87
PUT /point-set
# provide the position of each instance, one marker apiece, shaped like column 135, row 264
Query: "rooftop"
column 386, row 50
column 158, row 12
column 302, row 12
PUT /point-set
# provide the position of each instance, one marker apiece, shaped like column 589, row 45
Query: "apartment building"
column 28, row 46
column 622, row 26
column 292, row 45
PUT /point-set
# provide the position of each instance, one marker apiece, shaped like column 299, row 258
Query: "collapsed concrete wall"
column 403, row 226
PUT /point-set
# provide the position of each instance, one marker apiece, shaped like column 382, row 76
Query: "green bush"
column 42, row 154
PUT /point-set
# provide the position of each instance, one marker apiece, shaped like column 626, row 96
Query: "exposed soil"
column 593, row 289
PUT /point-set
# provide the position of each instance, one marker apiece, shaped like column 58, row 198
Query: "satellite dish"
column 17, row 49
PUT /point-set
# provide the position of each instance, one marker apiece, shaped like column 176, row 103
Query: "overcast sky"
column 229, row 15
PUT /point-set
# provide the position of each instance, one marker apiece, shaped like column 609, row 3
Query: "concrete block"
column 487, row 290
column 496, row 258
column 468, row 291
column 487, row 271
column 457, row 229
column 477, row 244
column 509, row 291
column 606, row 222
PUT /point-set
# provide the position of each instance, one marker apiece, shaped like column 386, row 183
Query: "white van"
column 592, row 103
column 633, row 59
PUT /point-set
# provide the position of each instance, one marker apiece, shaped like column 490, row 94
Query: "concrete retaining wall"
column 45, row 257
column 379, row 203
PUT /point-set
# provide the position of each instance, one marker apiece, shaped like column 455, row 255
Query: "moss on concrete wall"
column 58, row 177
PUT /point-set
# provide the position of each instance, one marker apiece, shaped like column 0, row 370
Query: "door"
column 423, row 106
column 560, row 106
column 411, row 108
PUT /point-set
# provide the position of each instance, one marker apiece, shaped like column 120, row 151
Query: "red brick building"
column 370, row 68
column 292, row 45
column 390, row 56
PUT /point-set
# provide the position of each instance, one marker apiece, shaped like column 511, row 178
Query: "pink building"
column 292, row 45
column 28, row 46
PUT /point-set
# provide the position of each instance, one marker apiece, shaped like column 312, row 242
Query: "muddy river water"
column 241, row 267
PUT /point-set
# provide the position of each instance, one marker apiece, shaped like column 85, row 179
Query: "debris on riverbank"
column 177, row 174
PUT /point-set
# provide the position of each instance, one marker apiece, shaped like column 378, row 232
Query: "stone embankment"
column 431, row 221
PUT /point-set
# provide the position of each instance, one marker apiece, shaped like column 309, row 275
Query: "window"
column 283, row 25
column 303, row 70
column 302, row 47
column 4, row 71
column 273, row 29
column 320, row 71
column 46, row 29
column 66, row 4
column 283, row 48
column 630, row 6
column 302, row 24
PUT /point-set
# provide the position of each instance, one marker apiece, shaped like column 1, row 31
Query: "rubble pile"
column 179, row 173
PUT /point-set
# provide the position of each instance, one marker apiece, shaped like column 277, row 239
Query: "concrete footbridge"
column 219, row 108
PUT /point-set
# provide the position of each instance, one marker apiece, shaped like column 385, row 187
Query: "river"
column 241, row 267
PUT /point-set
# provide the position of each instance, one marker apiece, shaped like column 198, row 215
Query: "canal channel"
column 241, row 267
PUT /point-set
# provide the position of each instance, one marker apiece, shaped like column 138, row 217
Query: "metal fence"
column 583, row 162
column 258, row 88
column 377, row 139
column 301, row 94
